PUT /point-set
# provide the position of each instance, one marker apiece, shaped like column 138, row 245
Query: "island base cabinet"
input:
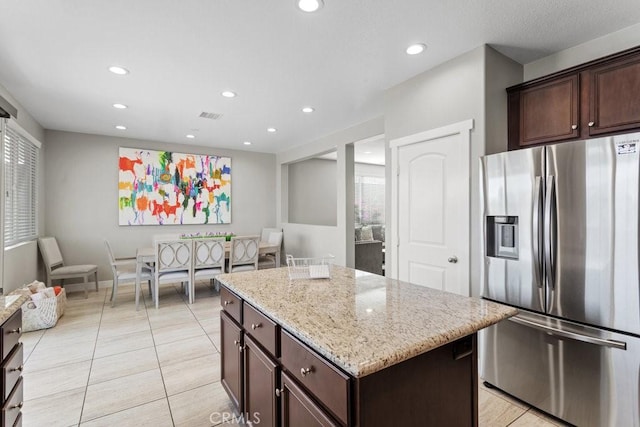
column 261, row 374
column 231, row 359
column 437, row 388
column 298, row 409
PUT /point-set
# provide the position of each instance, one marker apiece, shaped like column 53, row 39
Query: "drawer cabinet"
column 231, row 304
column 12, row 406
column 324, row 381
column 12, row 356
column 595, row 99
column 261, row 328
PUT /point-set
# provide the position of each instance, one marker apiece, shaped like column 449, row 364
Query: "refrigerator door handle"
column 537, row 217
column 550, row 231
column 569, row 334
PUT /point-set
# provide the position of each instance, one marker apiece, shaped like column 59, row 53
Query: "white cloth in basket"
column 47, row 311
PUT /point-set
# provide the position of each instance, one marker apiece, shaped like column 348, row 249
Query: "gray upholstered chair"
column 208, row 258
column 124, row 270
column 56, row 270
column 244, row 253
column 174, row 264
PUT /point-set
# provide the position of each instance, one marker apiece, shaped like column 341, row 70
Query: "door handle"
column 549, row 231
column 453, row 259
column 537, row 215
column 603, row 342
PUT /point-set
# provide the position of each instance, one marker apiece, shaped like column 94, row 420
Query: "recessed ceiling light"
column 309, row 5
column 308, row 110
column 190, row 136
column 120, row 106
column 228, row 94
column 272, row 130
column 247, row 143
column 367, row 152
column 118, row 70
column 415, row 49
column 120, row 127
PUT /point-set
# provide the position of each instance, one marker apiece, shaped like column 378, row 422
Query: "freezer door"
column 511, row 197
column 586, row 376
column 591, row 231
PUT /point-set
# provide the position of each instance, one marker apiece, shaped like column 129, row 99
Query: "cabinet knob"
column 279, row 392
column 15, row 331
column 306, row 371
column 228, row 302
column 453, row 259
column 18, row 406
column 19, row 368
column 574, row 127
column 236, row 342
column 591, row 124
column 255, row 326
column 240, row 348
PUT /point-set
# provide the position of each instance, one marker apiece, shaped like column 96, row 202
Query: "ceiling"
column 54, row 56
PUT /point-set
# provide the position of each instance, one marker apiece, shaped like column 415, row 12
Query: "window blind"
column 20, row 185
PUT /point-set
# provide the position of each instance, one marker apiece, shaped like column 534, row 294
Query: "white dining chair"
column 266, row 232
column 174, row 264
column 269, row 260
column 124, row 270
column 57, row 270
column 244, row 252
column 208, row 259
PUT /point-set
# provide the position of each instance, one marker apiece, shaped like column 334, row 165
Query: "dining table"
column 146, row 256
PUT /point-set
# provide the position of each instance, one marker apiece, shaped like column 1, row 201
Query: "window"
column 369, row 199
column 20, row 182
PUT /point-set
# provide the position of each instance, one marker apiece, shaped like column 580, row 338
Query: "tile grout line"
column 155, row 349
column 95, row 345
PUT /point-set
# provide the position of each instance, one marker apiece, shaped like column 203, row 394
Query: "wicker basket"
column 43, row 316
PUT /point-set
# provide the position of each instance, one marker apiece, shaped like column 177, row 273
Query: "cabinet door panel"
column 298, row 409
column 614, row 102
column 261, row 375
column 231, row 359
column 550, row 112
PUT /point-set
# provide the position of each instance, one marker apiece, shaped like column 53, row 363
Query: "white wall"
column 470, row 86
column 312, row 192
column 21, row 261
column 303, row 240
column 82, row 196
column 611, row 43
column 449, row 93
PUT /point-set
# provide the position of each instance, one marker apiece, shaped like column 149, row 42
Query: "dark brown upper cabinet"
column 601, row 97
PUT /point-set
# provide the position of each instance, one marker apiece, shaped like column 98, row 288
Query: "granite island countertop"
column 9, row 304
column 363, row 322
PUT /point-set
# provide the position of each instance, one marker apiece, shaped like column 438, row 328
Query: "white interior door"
column 431, row 209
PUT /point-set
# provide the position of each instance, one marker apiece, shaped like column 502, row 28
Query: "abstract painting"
column 166, row 188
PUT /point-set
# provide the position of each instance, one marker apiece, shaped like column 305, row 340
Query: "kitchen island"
column 354, row 350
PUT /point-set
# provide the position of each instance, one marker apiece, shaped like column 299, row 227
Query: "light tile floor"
column 104, row 366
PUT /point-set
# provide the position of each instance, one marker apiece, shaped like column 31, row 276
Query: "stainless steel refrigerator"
column 560, row 228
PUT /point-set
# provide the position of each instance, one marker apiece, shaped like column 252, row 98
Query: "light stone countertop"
column 9, row 304
column 363, row 322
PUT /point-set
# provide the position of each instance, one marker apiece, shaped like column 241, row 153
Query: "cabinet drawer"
column 12, row 370
column 11, row 332
column 231, row 304
column 326, row 383
column 13, row 405
column 261, row 328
